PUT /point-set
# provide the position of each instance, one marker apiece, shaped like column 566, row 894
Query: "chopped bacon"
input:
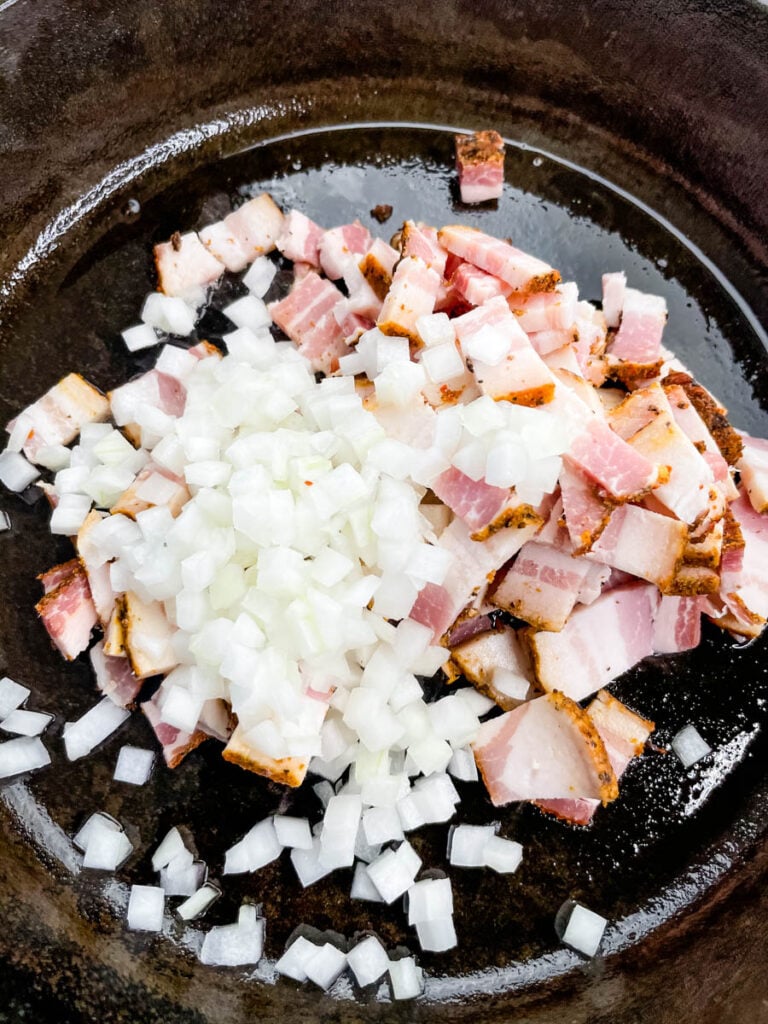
column 744, row 574
column 154, row 389
column 147, row 636
column 176, row 744
column 114, row 677
column 543, row 586
column 712, row 413
column 306, row 315
column 753, row 467
column 474, row 501
column 248, row 232
column 479, row 657
column 523, row 272
column 480, row 163
column 638, row 339
column 599, row 642
column 586, row 513
column 97, row 571
column 546, row 749
column 694, row 427
column 58, row 416
column 477, row 287
column 420, row 240
column 608, row 460
column 290, row 771
column 300, row 239
column 643, row 543
column 52, row 578
column 343, row 245
column 411, row 295
column 614, row 291
column 378, row 266
column 216, row 719
column 547, row 311
column 677, row 625
column 67, row 610
column 185, row 266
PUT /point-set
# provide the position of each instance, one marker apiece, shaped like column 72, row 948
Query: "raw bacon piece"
column 176, row 744
column 753, row 467
column 184, row 266
column 624, row 734
column 97, row 571
column 546, row 311
column 642, row 543
column 712, row 413
column 744, row 574
column 693, row 426
column 586, row 513
column 480, row 163
column 608, row 460
column 52, row 578
column 599, row 642
column 614, row 290
column 378, row 266
column 114, row 677
column 67, row 611
column 474, row 501
column 545, row 749
column 523, row 272
column 340, row 246
column 478, row 659
column 290, row 771
column 306, row 315
column 59, row 415
column 300, row 239
column 543, row 586
column 412, row 294
column 477, row 287
column 420, row 240
column 677, row 625
column 638, row 339
column 147, row 636
column 155, row 389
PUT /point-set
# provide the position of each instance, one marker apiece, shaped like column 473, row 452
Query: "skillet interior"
column 56, row 336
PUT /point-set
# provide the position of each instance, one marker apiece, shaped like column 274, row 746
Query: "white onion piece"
column 183, row 881
column 171, row 846
column 438, row 935
column 293, row 832
column 362, row 886
column 5, row 521
column 26, row 723
column 15, row 472
column 168, row 314
column 259, row 276
column 139, row 337
column 584, row 930
column 146, row 906
column 248, row 312
column 467, row 843
column 406, row 978
column 435, row 797
column 12, row 695
column 94, row 825
column 435, row 329
column 325, row 966
column 463, row 766
column 234, row 945
column 308, row 865
column 394, row 871
column 292, row 964
column 53, row 457
column 69, row 514
column 430, row 900
column 24, row 754
column 198, row 902
column 503, row 855
column 134, row 765
column 95, row 726
column 258, row 847
column 107, row 848
column 382, row 825
column 368, row 961
column 690, row 746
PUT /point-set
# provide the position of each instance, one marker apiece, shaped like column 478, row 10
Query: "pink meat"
column 58, row 416
column 586, row 514
column 599, row 642
column 546, row 311
column 184, row 265
column 52, row 578
column 477, row 287
column 744, row 577
column 523, row 272
column 544, row 749
column 474, row 501
column 677, row 625
column 342, row 245
column 306, row 315
column 614, row 466
column 154, row 389
column 420, row 240
column 97, row 571
column 114, row 677
column 753, row 467
column 412, row 294
column 543, row 586
column 68, row 613
column 480, row 163
column 176, row 744
column 300, row 239
column 638, row 339
column 643, row 543
column 614, row 290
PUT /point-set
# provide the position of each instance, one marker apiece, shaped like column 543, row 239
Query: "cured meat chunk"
column 712, row 413
column 643, row 543
column 586, row 513
column 543, row 586
column 300, row 239
column 744, row 574
column 545, row 749
column 523, row 272
column 147, row 636
column 614, row 290
column 420, row 240
column 306, row 315
column 474, row 501
column 599, row 642
column 492, row 661
column 114, row 677
column 97, row 571
column 59, row 415
column 412, row 294
column 378, row 266
column 677, row 625
column 175, row 743
column 154, row 389
column 638, row 339
column 67, row 610
column 480, row 163
column 608, row 460
column 753, row 467
column 184, row 266
column 341, row 246
column 546, row 311
column 290, row 771
column 477, row 287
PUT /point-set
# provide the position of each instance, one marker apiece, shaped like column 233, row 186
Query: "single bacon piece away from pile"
column 563, row 562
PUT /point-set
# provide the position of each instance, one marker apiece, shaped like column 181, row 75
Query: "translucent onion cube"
column 24, row 754
column 293, row 832
column 584, row 930
column 26, row 723
column 145, row 908
column 690, row 746
column 503, row 855
column 249, row 312
column 139, row 337
column 309, row 868
column 259, row 277
column 15, row 472
column 196, row 904
column 95, row 824
column 325, row 966
column 171, row 846
column 134, row 765
column 293, row 962
column 438, row 935
column 394, row 871
column 93, row 728
column 362, row 886
column 463, row 766
column 431, row 899
column 467, row 843
column 406, row 978
column 442, row 363
column 107, row 849
column 234, row 945
column 435, row 329
column 368, row 961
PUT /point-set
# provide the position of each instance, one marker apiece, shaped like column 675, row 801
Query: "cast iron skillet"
column 667, row 105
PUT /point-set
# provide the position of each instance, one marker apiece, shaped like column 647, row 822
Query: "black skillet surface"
column 675, row 839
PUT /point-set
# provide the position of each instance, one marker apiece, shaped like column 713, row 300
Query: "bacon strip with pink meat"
column 185, row 266
column 59, row 415
column 475, row 286
column 378, row 266
column 300, row 239
column 246, row 233
column 614, row 466
column 753, row 467
column 543, row 586
column 523, row 272
column 114, row 677
column 175, row 743
column 412, row 294
column 421, row 241
column 306, row 315
column 546, row 311
column 677, row 625
column 489, row 660
column 480, row 163
column 586, row 513
column 644, row 543
column 744, row 574
column 614, row 291
column 341, row 246
column 638, row 340
column 66, row 608
column 474, row 501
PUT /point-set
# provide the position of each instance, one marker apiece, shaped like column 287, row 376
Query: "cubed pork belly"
column 147, row 636
column 753, row 468
column 185, row 266
column 523, row 272
column 474, row 501
column 67, row 610
column 249, row 231
column 153, row 389
column 175, row 743
column 586, row 513
column 612, row 464
column 744, row 574
column 677, row 625
column 114, row 677
column 477, row 287
column 421, row 241
column 53, row 577
column 614, row 291
column 480, row 163
column 714, row 415
column 307, row 316
column 497, row 665
column 96, row 569
column 290, row 771
column 154, row 485
column 300, row 239
column 59, row 415
column 554, row 311
column 624, row 735
column 378, row 266
column 546, row 749
column 637, row 342
column 542, row 587
column 342, row 245
column 643, row 543
column 599, row 642
column 411, row 295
